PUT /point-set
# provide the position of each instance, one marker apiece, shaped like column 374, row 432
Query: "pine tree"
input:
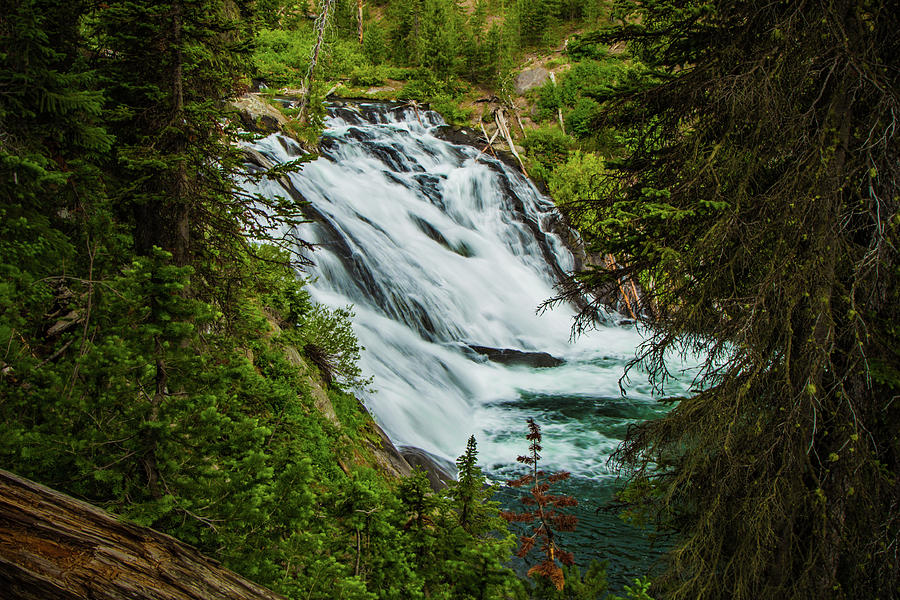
column 470, row 491
column 52, row 200
column 169, row 68
column 479, row 534
column 759, row 196
column 535, row 18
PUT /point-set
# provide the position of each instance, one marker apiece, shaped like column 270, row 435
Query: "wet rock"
column 257, row 115
column 387, row 456
column 440, row 472
column 455, row 135
column 429, row 230
column 509, row 356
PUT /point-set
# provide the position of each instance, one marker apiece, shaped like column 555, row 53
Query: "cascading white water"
column 438, row 250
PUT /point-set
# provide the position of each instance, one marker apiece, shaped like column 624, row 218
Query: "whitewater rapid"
column 438, row 249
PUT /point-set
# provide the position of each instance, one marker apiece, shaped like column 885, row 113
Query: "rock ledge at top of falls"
column 466, row 136
column 257, row 115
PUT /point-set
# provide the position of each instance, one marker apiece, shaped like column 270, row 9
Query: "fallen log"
column 54, row 546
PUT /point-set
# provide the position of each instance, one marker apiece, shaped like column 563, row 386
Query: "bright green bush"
column 576, row 182
column 581, row 119
column 282, row 57
column 450, row 109
column 546, row 148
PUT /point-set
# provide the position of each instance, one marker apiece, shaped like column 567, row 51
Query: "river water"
column 441, row 250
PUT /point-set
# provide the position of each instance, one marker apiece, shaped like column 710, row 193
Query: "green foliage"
column 450, row 109
column 150, row 348
column 535, row 18
column 459, row 541
column 580, row 120
column 367, row 77
column 281, row 57
column 282, row 14
column 589, row 585
column 587, row 79
column 327, row 338
column 375, row 43
column 639, row 591
column 547, row 148
column 577, row 182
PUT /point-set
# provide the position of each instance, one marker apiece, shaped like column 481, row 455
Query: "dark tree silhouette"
column 758, row 199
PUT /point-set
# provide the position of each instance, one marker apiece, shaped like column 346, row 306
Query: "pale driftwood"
column 490, row 141
column 54, row 546
column 501, row 123
column 415, row 107
column 562, row 124
column 515, row 112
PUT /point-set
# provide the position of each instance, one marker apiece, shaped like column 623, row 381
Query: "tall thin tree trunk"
column 320, row 25
column 359, row 19
column 181, row 218
column 562, row 124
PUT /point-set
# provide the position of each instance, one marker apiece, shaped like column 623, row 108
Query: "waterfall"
column 445, row 256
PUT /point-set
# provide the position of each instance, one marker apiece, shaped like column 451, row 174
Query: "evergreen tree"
column 535, row 18
column 758, row 202
column 428, row 33
column 50, row 144
column 475, row 542
column 169, row 67
column 470, row 493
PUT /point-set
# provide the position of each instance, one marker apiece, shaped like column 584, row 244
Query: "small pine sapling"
column 471, row 494
column 543, row 514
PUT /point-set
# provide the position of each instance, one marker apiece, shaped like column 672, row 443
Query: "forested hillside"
column 735, row 166
column 160, row 357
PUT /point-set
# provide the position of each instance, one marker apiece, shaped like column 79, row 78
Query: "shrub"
column 579, row 121
column 548, row 146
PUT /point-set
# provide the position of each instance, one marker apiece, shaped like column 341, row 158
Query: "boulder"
column 530, row 79
column 258, row 115
column 440, row 472
column 509, row 356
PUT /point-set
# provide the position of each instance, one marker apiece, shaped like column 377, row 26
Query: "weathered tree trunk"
column 320, row 25
column 504, row 128
column 53, row 546
column 562, row 124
